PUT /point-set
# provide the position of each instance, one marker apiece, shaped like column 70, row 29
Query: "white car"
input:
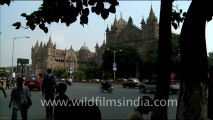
column 69, row 81
column 151, row 87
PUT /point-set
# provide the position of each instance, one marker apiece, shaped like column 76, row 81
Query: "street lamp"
column 13, row 49
column 114, row 64
column 70, row 68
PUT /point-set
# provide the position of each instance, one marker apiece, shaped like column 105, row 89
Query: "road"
column 122, row 101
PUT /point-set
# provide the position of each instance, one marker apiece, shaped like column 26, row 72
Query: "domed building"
column 46, row 56
column 84, row 55
column 121, row 32
column 125, row 33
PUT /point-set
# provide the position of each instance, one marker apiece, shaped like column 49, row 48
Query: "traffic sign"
column 114, row 66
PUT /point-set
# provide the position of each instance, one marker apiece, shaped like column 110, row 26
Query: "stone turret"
column 41, row 44
column 143, row 23
column 54, row 46
column 49, row 43
column 107, row 30
column 152, row 25
column 152, row 17
column 36, row 47
column 130, row 21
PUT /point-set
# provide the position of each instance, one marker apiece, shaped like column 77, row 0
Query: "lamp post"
column 114, row 64
column 13, row 49
column 70, row 68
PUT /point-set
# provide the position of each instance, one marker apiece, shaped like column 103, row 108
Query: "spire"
column 115, row 20
column 151, row 13
column 104, row 38
column 49, row 43
column 50, row 39
column 41, row 44
column 152, row 17
column 107, row 30
column 36, row 45
column 54, row 45
column 121, row 15
column 130, row 21
column 84, row 44
column 96, row 46
column 143, row 21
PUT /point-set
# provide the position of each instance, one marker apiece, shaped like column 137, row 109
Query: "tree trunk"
column 163, row 61
column 192, row 101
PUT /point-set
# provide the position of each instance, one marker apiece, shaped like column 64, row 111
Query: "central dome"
column 84, row 48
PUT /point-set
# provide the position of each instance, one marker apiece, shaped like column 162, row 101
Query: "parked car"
column 150, row 85
column 131, row 83
column 33, row 81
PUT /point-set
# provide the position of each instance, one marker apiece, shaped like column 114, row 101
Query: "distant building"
column 125, row 33
column 121, row 32
column 46, row 56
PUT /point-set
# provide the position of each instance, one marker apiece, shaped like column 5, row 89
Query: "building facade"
column 121, row 32
column 125, row 33
column 46, row 56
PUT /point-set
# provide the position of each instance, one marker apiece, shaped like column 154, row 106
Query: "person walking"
column 20, row 100
column 210, row 94
column 61, row 112
column 1, row 88
column 49, row 89
column 7, row 84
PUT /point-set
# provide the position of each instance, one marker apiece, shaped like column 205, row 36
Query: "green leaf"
column 113, row 2
column 24, row 15
column 86, row 11
column 45, row 29
column 91, row 2
column 184, row 14
column 93, row 9
column 112, row 9
column 104, row 13
column 174, row 25
column 32, row 26
column 41, row 26
column 85, row 3
column 83, row 19
column 2, row 2
column 17, row 25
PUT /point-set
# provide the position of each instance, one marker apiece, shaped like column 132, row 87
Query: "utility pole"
column 114, row 63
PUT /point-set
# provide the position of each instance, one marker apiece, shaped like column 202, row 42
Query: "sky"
column 75, row 35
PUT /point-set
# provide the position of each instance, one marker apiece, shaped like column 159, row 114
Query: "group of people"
column 10, row 83
column 21, row 95
column 62, row 112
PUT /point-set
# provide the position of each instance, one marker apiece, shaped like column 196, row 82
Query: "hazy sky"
column 75, row 35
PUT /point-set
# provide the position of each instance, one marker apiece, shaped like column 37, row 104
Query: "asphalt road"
column 115, row 105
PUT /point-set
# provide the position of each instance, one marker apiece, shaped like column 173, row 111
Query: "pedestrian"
column 1, row 88
column 7, row 83
column 145, row 106
column 61, row 111
column 20, row 100
column 210, row 94
column 40, row 76
column 49, row 89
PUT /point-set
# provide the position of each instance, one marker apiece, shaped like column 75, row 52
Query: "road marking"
column 7, row 118
column 19, row 118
